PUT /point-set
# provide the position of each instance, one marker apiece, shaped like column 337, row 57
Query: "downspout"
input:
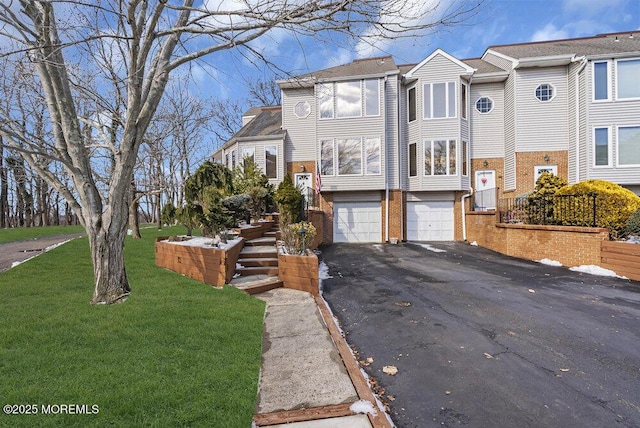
column 464, row 214
column 399, row 158
column 577, row 90
column 386, row 168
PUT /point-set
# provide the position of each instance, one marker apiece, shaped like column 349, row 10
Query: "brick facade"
column 527, row 161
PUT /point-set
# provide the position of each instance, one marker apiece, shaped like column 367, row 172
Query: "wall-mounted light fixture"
column 485, row 164
column 302, row 168
column 547, row 158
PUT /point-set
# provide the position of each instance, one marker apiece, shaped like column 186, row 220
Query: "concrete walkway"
column 304, row 382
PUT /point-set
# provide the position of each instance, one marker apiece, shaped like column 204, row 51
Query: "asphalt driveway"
column 484, row 340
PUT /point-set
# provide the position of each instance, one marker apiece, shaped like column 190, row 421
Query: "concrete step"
column 257, row 242
column 258, row 261
column 271, row 234
column 258, row 270
column 254, row 284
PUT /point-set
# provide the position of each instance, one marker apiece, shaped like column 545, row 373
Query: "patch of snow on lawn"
column 363, row 406
column 596, row 270
column 430, row 248
column 549, row 262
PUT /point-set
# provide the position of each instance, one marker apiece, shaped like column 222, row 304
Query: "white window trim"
column 446, row 105
column 617, row 84
column 537, row 168
column 593, row 82
column 485, row 112
column 609, row 147
column 466, row 161
column 409, row 160
column 333, row 101
column 364, row 155
column 364, row 98
column 333, row 152
column 307, row 109
column 265, row 161
column 634, row 165
column 555, row 92
column 448, row 158
column 466, row 104
column 408, row 104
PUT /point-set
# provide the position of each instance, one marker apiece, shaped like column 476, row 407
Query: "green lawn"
column 176, row 353
column 23, row 233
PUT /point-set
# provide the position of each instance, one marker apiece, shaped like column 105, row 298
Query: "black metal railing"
column 565, row 210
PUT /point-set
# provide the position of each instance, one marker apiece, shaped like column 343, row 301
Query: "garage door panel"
column 357, row 222
column 430, row 221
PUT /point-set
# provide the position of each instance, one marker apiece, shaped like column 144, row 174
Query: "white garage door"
column 357, row 222
column 430, row 221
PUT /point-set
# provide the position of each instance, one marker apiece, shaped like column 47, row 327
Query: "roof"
column 378, row 66
column 482, row 66
column 612, row 43
column 266, row 124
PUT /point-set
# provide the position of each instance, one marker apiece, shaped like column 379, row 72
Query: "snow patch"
column 323, row 271
column 596, row 270
column 633, row 240
column 549, row 262
column 363, row 406
column 239, row 266
column 205, row 242
column 430, row 248
column 474, row 243
column 378, row 247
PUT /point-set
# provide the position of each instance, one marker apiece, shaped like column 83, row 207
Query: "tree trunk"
column 110, row 276
column 4, row 191
column 134, row 225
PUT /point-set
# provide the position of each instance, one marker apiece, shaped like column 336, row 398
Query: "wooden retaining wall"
column 299, row 272
column 212, row 266
column 622, row 258
column 256, row 230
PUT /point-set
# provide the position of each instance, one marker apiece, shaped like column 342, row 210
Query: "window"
column 463, row 101
column 545, row 92
column 326, row 157
column 349, row 156
column 465, row 162
column 601, row 147
column 539, row 169
column 372, row 153
column 348, row 99
column 233, row 159
column 629, row 145
column 226, row 160
column 484, row 105
column 325, row 100
column 413, row 161
column 439, row 100
column 627, row 74
column 271, row 161
column 601, row 81
column 440, row 157
column 248, row 152
column 302, row 109
column 372, row 97
column 411, row 97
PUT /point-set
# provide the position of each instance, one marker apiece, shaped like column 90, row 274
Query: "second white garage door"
column 430, row 221
column 357, row 222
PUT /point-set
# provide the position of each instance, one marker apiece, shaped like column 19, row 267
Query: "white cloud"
column 549, row 32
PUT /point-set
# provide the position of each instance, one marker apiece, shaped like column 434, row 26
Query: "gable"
column 440, row 56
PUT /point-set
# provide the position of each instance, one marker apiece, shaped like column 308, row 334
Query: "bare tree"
column 146, row 41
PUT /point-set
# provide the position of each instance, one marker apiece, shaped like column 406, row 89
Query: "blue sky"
column 498, row 22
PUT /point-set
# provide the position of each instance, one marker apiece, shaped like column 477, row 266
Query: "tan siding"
column 542, row 125
column 487, row 130
column 498, row 61
column 301, row 133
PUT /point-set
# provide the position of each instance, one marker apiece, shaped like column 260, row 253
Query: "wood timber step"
column 255, row 284
column 258, row 261
column 257, row 242
column 258, row 270
column 253, row 252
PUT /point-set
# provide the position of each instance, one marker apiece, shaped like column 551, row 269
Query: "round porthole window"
column 484, row 105
column 302, row 109
column 545, row 92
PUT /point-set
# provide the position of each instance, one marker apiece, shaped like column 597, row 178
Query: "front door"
column 302, row 180
column 485, row 191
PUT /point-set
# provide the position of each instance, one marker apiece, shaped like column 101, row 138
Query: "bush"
column 289, row 199
column 540, row 203
column 633, row 223
column 292, row 237
column 168, row 215
column 614, row 205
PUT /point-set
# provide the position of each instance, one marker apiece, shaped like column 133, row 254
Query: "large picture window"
column 326, row 157
column 440, row 157
column 348, row 99
column 628, row 85
column 439, row 100
column 602, row 147
column 325, row 100
column 601, row 81
column 629, row 145
column 372, row 97
column 372, row 153
column 349, row 156
column 271, row 161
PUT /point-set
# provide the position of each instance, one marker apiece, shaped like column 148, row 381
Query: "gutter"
column 386, row 168
column 464, row 214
